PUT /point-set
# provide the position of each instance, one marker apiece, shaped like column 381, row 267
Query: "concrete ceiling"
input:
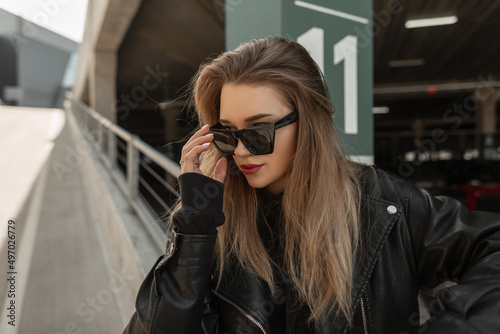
column 177, row 36
column 172, row 36
column 465, row 52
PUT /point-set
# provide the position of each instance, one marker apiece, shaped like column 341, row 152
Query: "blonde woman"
column 277, row 231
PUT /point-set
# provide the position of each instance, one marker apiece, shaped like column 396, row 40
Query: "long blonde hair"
column 321, row 197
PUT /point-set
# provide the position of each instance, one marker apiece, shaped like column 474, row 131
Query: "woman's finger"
column 200, row 133
column 191, row 160
column 196, row 142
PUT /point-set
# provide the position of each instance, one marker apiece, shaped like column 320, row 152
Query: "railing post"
column 111, row 148
column 100, row 136
column 88, row 122
column 132, row 168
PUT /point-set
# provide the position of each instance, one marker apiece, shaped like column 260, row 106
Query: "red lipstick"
column 250, row 169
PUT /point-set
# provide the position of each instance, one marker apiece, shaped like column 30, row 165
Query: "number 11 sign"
column 338, row 36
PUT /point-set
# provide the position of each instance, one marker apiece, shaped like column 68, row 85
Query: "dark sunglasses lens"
column 257, row 141
column 224, row 142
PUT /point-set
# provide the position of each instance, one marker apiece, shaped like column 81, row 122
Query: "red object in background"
column 473, row 192
column 431, row 90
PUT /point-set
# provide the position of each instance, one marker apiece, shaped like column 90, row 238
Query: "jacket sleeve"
column 454, row 244
column 175, row 296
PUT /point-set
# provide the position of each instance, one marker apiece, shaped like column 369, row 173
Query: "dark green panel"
column 251, row 19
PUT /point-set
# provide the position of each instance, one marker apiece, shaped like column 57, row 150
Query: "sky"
column 64, row 17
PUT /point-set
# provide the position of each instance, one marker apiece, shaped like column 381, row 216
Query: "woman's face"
column 245, row 105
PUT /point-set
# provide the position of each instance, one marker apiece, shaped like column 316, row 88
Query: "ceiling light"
column 406, row 62
column 430, row 22
column 380, row 110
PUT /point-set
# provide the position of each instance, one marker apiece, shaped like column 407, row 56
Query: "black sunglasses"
column 258, row 139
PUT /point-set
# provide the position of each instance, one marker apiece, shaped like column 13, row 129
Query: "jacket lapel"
column 249, row 295
column 376, row 226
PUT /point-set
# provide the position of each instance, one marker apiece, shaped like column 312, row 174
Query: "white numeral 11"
column 345, row 50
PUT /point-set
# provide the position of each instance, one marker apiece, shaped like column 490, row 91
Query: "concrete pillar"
column 486, row 125
column 106, row 25
column 102, row 84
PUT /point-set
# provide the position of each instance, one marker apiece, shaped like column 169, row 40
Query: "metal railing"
column 144, row 175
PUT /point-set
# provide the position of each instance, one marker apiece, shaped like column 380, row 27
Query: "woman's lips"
column 250, row 169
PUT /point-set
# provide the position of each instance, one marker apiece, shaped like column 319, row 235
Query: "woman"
column 278, row 232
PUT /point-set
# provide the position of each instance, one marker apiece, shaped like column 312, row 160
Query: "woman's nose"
column 241, row 150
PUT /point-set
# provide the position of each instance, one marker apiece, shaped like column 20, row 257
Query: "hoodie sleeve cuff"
column 201, row 209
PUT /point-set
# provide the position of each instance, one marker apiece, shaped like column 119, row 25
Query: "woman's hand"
column 190, row 156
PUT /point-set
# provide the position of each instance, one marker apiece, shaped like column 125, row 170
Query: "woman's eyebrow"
column 249, row 119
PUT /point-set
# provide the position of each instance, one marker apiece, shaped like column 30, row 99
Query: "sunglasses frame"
column 269, row 127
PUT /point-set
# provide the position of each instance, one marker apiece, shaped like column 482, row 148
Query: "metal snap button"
column 391, row 209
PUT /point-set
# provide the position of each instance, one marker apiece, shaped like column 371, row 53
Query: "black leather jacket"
column 412, row 243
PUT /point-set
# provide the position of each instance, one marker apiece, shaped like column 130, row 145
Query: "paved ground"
column 62, row 281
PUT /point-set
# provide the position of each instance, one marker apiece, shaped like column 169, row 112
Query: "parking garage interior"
column 436, row 89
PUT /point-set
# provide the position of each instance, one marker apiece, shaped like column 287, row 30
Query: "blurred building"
column 36, row 65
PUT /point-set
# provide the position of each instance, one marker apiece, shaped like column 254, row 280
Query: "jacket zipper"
column 363, row 314
column 170, row 249
column 248, row 316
